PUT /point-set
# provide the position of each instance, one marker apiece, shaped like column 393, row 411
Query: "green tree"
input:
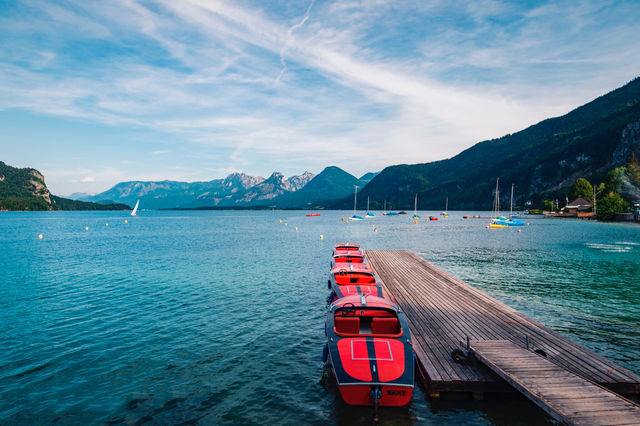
column 614, row 180
column 548, row 205
column 581, row 188
column 610, row 205
column 633, row 170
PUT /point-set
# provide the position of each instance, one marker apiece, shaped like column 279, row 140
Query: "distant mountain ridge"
column 236, row 190
column 541, row 161
column 331, row 183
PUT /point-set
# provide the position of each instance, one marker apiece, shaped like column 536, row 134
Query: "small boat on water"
column 370, row 352
column 345, row 245
column 433, row 217
column 386, row 213
column 348, row 256
column 135, row 209
column 346, row 279
column 415, row 208
column 402, row 212
column 355, row 199
column 445, row 213
column 312, row 214
column 369, row 214
column 512, row 220
column 496, row 219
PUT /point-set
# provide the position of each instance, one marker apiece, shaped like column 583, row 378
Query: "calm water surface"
column 217, row 317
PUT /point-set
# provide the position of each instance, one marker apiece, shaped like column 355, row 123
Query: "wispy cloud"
column 258, row 86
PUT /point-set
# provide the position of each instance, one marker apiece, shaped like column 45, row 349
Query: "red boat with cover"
column 348, row 256
column 345, row 245
column 346, row 279
column 370, row 352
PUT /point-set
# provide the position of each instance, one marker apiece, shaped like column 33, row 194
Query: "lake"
column 217, row 317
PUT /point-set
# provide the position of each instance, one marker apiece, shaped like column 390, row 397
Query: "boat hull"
column 392, row 396
column 370, row 352
column 510, row 222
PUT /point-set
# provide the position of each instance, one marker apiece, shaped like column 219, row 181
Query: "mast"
column 355, row 198
column 367, row 204
column 415, row 205
column 446, row 205
column 511, row 207
column 496, row 201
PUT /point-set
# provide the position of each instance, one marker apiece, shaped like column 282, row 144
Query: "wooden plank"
column 440, row 341
column 444, row 310
column 518, row 322
column 548, row 334
column 593, row 404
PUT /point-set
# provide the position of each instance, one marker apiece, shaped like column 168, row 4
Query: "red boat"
column 348, row 256
column 353, row 279
column 433, row 218
column 346, row 245
column 370, row 352
column 312, row 214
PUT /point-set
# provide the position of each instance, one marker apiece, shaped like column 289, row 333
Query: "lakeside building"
column 577, row 208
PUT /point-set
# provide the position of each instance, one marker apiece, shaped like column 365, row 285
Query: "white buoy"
column 106, row 224
column 296, row 228
column 321, row 237
column 40, row 236
column 86, row 228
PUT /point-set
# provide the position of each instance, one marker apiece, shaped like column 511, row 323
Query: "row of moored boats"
column 369, row 346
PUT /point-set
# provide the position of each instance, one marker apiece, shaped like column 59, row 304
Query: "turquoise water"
column 217, row 317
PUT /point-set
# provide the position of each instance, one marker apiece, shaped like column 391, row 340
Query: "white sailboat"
column 386, row 213
column 355, row 198
column 510, row 221
column 369, row 214
column 495, row 219
column 135, row 209
column 445, row 213
column 415, row 208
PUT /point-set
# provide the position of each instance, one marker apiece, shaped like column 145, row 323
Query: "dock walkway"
column 568, row 398
column 443, row 311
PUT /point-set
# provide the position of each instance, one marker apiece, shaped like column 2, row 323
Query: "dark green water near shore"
column 217, row 317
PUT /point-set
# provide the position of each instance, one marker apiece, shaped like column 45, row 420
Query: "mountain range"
column 236, row 190
column 541, row 161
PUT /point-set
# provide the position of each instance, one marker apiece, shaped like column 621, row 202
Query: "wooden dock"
column 568, row 398
column 443, row 311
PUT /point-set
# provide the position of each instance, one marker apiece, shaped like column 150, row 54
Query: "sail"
column 135, row 209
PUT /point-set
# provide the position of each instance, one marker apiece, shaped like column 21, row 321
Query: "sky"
column 93, row 93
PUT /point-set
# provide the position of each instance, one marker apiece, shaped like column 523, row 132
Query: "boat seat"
column 347, row 325
column 389, row 326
